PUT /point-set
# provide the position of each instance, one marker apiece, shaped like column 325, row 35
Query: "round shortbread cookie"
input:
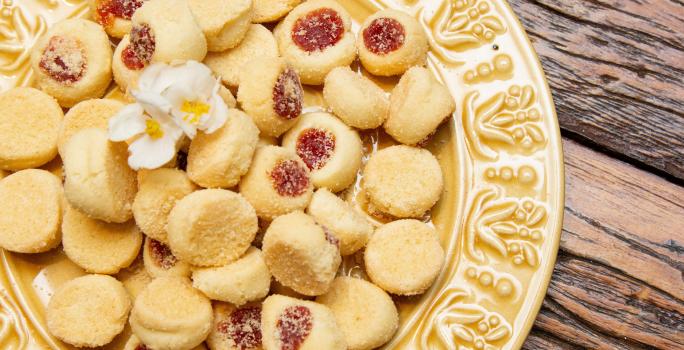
column 355, row 99
column 158, row 192
column 390, row 42
column 211, row 227
column 29, row 128
column 418, row 105
column 341, row 220
column 30, row 211
column 277, row 183
column 224, row 23
column 289, row 323
column 331, row 150
column 300, row 254
column 98, row 180
column 258, row 42
column 171, row 314
column 88, row 311
column 98, row 246
column 93, row 113
column 315, row 38
column 272, row 10
column 404, row 257
column 73, row 61
column 221, row 158
column 123, row 76
column 134, row 343
column 365, row 313
column 114, row 15
column 235, row 328
column 239, row 282
column 270, row 92
column 403, row 181
column 159, row 260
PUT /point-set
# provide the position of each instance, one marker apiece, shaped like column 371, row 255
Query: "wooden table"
column 616, row 69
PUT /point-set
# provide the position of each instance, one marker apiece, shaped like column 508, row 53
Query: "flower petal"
column 156, row 78
column 218, row 115
column 130, row 121
column 148, row 153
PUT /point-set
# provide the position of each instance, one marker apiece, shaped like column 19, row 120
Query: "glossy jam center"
column 289, row 178
column 384, row 35
column 294, row 325
column 318, row 30
column 162, row 255
column 124, row 9
column 243, row 327
column 139, row 51
column 63, row 60
column 315, row 147
column 288, row 95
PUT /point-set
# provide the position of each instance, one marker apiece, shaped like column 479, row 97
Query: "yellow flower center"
column 194, row 111
column 153, row 129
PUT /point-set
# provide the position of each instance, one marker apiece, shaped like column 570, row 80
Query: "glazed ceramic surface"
column 499, row 217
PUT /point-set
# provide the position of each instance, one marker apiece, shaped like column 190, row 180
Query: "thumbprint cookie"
column 29, row 128
column 355, row 99
column 390, row 42
column 221, row 158
column 288, row 323
column 239, row 282
column 300, row 254
column 403, row 181
column 235, row 328
column 211, row 227
column 73, row 61
column 315, row 38
column 271, row 93
column 224, row 23
column 330, row 149
column 93, row 113
column 366, row 315
column 272, row 10
column 277, row 183
column 88, row 311
column 159, row 260
column 404, row 257
column 418, row 105
column 134, row 343
column 115, row 15
column 30, row 211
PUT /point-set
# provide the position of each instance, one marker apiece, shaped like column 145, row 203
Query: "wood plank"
column 615, row 68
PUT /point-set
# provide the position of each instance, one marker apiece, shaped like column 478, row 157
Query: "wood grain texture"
column 616, row 70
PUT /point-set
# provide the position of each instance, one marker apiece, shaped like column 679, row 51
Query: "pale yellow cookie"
column 277, row 183
column 29, row 128
column 134, row 343
column 158, row 192
column 123, row 76
column 300, row 254
column 355, row 99
column 365, row 313
column 331, row 150
column 88, row 311
column 390, row 42
column 403, row 181
column 315, row 38
column 418, row 105
column 159, row 260
column 235, row 328
column 221, row 158
column 93, row 113
column 258, row 42
column 239, row 282
column 270, row 92
column 170, row 314
column 211, row 227
column 272, row 10
column 98, row 180
column 114, row 15
column 134, row 278
column 224, row 23
column 404, row 257
column 289, row 323
column 341, row 220
column 73, row 61
column 98, row 246
column 30, row 211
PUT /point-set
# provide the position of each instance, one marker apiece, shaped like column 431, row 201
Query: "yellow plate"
column 500, row 216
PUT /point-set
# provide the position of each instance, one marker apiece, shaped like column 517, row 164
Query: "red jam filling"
column 294, row 325
column 162, row 255
column 139, row 51
column 243, row 328
column 318, row 30
column 288, row 95
column 63, row 60
column 289, row 178
column 315, row 147
column 124, row 9
column 384, row 35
